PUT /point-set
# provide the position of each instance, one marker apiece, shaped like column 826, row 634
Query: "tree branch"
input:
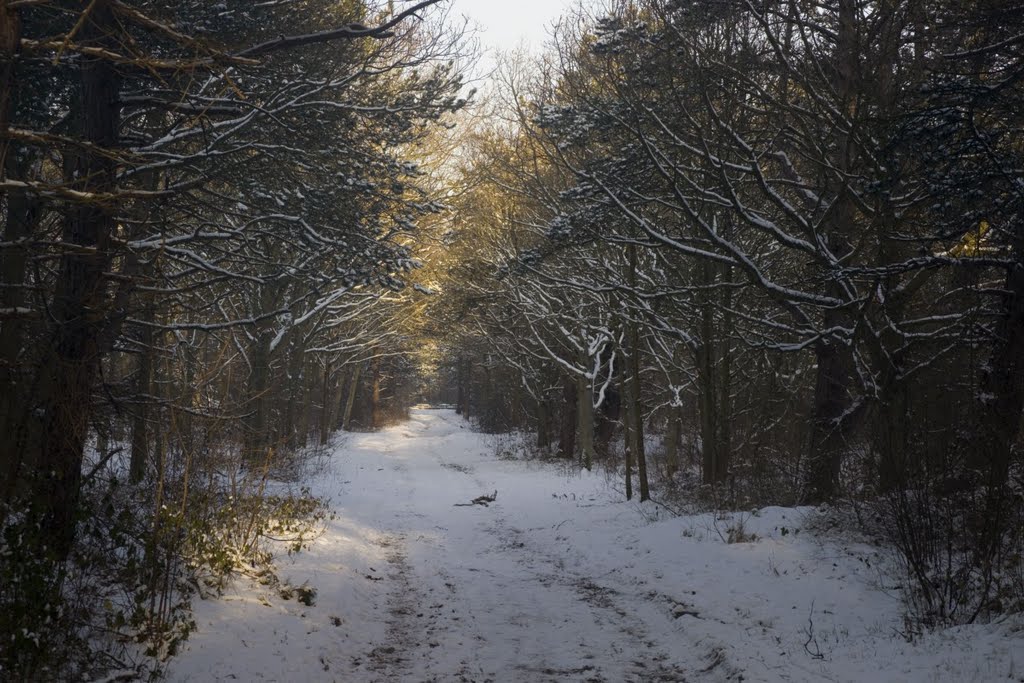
column 344, row 32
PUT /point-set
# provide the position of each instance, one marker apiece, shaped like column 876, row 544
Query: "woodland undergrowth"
column 121, row 603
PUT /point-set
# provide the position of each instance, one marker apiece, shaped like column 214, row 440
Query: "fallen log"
column 479, row 500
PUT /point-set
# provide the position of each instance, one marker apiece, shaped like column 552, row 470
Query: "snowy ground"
column 560, row 580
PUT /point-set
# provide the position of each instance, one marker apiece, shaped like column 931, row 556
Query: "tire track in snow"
column 416, row 619
column 442, row 633
column 647, row 661
column 391, row 660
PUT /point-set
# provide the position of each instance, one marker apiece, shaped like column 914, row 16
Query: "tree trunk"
column 21, row 217
column 466, row 387
column 353, row 385
column 567, row 432
column 10, row 40
column 610, row 415
column 708, row 401
column 325, row 404
column 17, row 437
column 673, row 426
column 891, row 433
column 307, row 409
column 295, row 392
column 627, row 431
column 828, row 432
column 724, row 417
column 488, row 401
column 515, row 419
column 543, row 424
column 375, row 394
column 713, row 370
column 636, row 430
column 144, row 392
column 673, row 433
column 460, row 393
column 1002, row 382
column 258, row 437
column 635, row 407
column 832, row 398
column 79, row 302
column 585, row 420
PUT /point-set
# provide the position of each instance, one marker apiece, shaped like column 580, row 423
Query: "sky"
column 506, row 23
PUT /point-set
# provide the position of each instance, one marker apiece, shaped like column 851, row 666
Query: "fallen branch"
column 479, row 500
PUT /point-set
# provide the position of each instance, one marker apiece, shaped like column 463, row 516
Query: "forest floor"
column 559, row 579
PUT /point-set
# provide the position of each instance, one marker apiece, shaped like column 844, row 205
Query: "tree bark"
column 258, row 437
column 673, row 426
column 10, row 40
column 140, row 454
column 627, row 431
column 79, row 302
column 585, row 420
column 832, row 397
column 295, row 391
column 460, row 393
column 466, row 388
column 17, row 436
column 672, row 435
column 635, row 395
column 543, row 424
column 18, row 225
column 636, row 430
column 828, row 431
column 325, row 404
column 515, row 419
column 610, row 416
column 567, row 432
column 709, row 414
column 307, row 409
column 353, row 385
column 375, row 394
column 1002, row 382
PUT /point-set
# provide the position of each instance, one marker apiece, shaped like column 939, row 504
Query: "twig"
column 816, row 654
column 103, row 461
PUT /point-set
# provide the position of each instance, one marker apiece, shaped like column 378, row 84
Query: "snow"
column 561, row 580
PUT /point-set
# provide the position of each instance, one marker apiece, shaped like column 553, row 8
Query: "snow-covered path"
column 558, row 580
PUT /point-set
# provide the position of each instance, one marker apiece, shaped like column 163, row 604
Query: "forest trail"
column 557, row 580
